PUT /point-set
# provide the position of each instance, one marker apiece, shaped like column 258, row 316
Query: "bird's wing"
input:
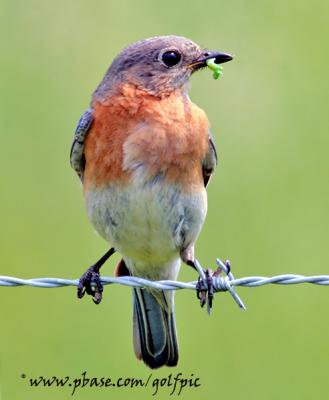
column 77, row 158
column 210, row 161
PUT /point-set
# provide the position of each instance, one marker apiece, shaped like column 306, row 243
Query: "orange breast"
column 168, row 136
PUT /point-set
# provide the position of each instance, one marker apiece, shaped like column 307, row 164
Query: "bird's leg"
column 204, row 287
column 90, row 282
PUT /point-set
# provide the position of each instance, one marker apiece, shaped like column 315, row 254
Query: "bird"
column 145, row 154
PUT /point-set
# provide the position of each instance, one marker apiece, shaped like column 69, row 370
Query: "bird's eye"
column 171, row 58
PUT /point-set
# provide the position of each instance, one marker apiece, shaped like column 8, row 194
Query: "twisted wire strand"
column 249, row 281
column 220, row 283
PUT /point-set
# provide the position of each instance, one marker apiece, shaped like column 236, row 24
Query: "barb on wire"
column 220, row 283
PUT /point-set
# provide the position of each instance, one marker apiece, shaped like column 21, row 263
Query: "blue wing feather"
column 210, row 161
column 77, row 158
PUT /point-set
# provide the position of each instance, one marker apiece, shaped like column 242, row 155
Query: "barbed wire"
column 220, row 283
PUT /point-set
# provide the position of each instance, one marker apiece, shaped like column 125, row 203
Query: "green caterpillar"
column 216, row 68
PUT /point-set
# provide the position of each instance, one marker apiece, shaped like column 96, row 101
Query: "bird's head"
column 159, row 65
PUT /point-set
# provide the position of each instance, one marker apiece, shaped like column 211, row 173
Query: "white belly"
column 148, row 223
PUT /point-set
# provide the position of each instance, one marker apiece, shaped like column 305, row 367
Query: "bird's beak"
column 220, row 58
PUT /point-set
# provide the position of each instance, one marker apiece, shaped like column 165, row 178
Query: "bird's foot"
column 205, row 285
column 90, row 281
column 205, row 288
column 91, row 284
column 210, row 282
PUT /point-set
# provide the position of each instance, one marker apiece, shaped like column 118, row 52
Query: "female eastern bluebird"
column 145, row 154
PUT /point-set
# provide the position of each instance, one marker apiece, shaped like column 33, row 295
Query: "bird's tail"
column 155, row 339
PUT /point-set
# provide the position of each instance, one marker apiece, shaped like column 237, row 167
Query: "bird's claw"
column 201, row 291
column 205, row 289
column 91, row 284
column 207, row 285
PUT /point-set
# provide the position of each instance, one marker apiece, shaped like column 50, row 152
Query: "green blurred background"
column 268, row 202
